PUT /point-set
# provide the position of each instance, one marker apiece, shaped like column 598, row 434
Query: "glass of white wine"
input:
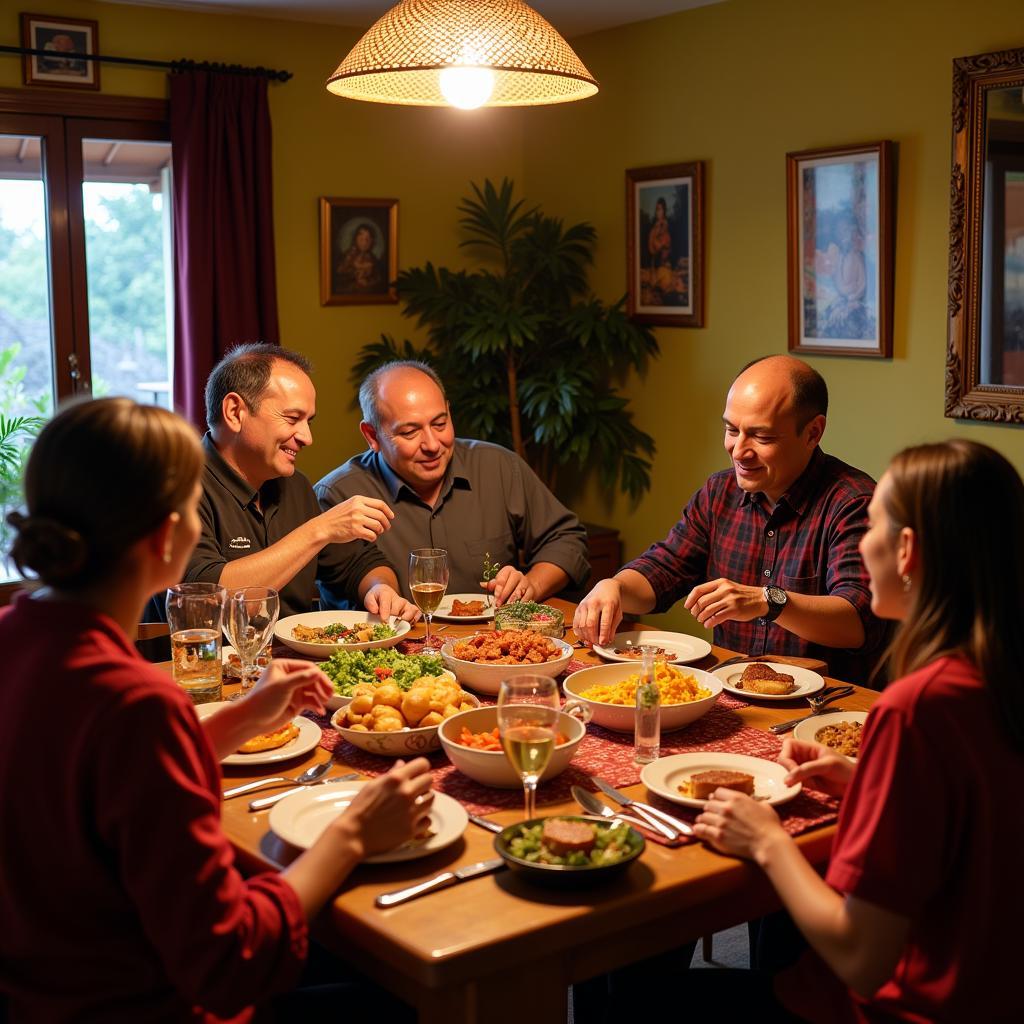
column 428, row 580
column 528, row 708
column 249, row 620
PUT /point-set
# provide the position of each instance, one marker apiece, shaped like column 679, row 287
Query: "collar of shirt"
column 455, row 475
column 235, row 485
column 800, row 494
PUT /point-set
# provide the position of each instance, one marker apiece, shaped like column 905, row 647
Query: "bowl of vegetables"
column 470, row 739
column 541, row 618
column 569, row 850
column 321, row 634
column 348, row 669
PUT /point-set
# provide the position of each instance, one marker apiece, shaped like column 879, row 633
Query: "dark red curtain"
column 225, row 289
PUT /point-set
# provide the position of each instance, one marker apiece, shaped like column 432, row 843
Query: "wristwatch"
column 777, row 599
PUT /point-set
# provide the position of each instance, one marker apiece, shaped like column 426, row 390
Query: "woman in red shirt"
column 119, row 897
column 919, row 913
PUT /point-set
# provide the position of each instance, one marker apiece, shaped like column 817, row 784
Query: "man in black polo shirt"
column 262, row 524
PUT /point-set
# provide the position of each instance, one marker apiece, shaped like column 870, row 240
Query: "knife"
column 491, row 826
column 441, row 881
column 660, row 821
column 269, row 801
column 593, row 806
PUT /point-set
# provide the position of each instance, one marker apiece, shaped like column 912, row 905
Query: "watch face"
column 775, row 595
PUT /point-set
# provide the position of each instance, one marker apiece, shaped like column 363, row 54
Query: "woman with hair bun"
column 918, row 917
column 118, row 893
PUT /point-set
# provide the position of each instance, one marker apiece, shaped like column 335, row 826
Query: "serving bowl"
column 621, row 717
column 486, row 678
column 566, row 875
column 284, row 627
column 491, row 767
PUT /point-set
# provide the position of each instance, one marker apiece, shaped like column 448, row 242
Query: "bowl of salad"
column 541, row 618
column 347, row 669
column 321, row 634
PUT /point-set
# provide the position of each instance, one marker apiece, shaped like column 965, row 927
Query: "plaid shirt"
column 806, row 544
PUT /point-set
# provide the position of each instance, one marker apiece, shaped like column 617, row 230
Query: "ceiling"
column 570, row 17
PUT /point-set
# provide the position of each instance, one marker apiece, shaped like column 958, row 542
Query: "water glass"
column 195, row 615
column 528, row 708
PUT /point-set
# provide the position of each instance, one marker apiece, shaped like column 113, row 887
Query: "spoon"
column 592, row 805
column 306, row 778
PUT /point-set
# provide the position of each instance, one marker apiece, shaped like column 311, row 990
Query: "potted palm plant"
column 531, row 359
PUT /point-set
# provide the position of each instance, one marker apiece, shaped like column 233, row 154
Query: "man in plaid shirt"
column 766, row 552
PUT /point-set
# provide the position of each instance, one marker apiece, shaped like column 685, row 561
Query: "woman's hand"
column 735, row 823
column 816, row 764
column 286, row 688
column 391, row 809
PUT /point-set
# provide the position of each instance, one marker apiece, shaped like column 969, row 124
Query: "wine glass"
column 249, row 620
column 528, row 708
column 428, row 580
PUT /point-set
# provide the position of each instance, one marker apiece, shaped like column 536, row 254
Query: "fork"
column 818, row 702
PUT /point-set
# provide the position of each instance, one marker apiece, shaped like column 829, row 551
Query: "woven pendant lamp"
column 466, row 53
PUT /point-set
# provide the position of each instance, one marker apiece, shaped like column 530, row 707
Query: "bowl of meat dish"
column 838, row 730
column 569, row 851
column 609, row 692
column 321, row 634
column 483, row 660
column 391, row 722
column 471, row 741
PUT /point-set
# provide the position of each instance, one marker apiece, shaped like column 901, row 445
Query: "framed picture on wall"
column 63, row 39
column 665, row 244
column 840, row 250
column 358, row 251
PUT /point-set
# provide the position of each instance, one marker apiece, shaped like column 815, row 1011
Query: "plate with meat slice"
column 689, row 779
column 465, row 608
column 768, row 680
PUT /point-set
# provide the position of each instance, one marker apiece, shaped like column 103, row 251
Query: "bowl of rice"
column 609, row 691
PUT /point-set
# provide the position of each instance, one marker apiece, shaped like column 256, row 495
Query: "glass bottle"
column 648, row 709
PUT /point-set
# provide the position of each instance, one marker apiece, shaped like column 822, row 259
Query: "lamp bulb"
column 467, row 88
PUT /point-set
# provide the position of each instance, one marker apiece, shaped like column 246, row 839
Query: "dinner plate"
column 300, row 820
column 806, row 729
column 806, row 681
column 283, row 632
column 308, row 738
column 680, row 647
column 665, row 775
column 444, row 609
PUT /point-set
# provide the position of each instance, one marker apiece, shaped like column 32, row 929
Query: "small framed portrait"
column 64, row 40
column 840, row 250
column 358, row 251
column 665, row 244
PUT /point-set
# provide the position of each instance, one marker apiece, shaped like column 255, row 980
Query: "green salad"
column 349, row 668
column 612, row 844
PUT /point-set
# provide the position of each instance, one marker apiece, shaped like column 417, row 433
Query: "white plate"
column 300, row 820
column 806, row 729
column 806, row 681
column 665, row 775
column 308, row 738
column 283, row 632
column 444, row 609
column 681, row 647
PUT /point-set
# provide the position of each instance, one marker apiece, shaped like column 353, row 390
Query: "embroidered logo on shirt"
column 240, row 543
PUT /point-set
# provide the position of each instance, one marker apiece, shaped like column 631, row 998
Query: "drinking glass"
column 428, row 580
column 528, row 725
column 195, row 613
column 249, row 622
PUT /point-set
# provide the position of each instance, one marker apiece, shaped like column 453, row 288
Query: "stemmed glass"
column 428, row 580
column 528, row 708
column 249, row 620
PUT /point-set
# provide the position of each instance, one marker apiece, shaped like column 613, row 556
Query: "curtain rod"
column 173, row 65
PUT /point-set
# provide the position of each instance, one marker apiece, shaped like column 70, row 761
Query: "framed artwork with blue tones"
column 665, row 244
column 840, row 250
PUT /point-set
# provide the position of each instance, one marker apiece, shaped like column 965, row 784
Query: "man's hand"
column 383, row 600
column 721, row 600
column 817, row 764
column 599, row 613
column 510, row 585
column 357, row 518
column 287, row 687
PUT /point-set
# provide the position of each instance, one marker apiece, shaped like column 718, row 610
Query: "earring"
column 167, row 556
column 907, row 583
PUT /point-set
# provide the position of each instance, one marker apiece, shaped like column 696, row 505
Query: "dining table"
column 500, row 948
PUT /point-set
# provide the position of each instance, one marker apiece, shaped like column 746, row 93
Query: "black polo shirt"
column 234, row 526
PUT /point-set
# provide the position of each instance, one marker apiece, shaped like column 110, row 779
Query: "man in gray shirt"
column 472, row 498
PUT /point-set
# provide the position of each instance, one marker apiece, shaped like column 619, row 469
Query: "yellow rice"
column 675, row 687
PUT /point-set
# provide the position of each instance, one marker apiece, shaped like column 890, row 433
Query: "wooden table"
column 466, row 954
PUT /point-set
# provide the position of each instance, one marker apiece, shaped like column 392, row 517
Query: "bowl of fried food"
column 394, row 723
column 471, row 741
column 483, row 660
column 609, row 691
column 569, row 851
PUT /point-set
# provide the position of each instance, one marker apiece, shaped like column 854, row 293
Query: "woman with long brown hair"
column 919, row 913
column 118, row 893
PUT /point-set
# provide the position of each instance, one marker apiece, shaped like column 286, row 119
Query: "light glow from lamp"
column 467, row 88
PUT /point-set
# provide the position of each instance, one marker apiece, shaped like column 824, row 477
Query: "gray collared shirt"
column 491, row 502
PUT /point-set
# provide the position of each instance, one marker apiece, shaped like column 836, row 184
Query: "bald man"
column 765, row 553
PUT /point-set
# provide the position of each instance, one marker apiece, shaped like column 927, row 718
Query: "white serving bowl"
column 283, row 632
column 620, row 717
column 491, row 767
column 403, row 743
column 486, row 678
